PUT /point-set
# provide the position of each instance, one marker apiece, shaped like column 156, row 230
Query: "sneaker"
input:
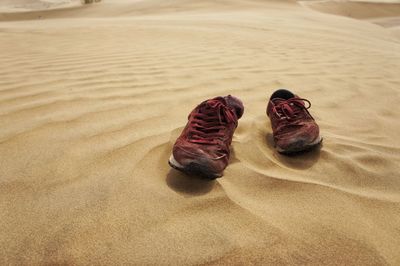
column 203, row 147
column 294, row 129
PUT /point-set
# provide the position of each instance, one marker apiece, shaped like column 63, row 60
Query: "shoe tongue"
column 236, row 104
column 232, row 102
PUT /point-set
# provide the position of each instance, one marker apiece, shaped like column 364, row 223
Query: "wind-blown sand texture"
column 93, row 98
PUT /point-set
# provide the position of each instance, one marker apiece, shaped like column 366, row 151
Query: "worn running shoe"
column 203, row 147
column 294, row 129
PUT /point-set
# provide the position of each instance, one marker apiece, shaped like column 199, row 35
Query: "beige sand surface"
column 92, row 99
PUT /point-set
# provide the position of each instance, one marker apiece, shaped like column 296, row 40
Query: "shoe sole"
column 300, row 146
column 193, row 168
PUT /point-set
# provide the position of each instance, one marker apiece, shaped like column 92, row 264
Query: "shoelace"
column 291, row 108
column 209, row 124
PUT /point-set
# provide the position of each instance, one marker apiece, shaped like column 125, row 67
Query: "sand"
column 92, row 99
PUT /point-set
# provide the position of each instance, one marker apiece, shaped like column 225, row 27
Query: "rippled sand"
column 92, row 100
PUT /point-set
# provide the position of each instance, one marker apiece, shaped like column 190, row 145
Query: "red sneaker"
column 294, row 129
column 203, row 146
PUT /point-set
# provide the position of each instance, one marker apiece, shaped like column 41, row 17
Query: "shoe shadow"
column 299, row 160
column 188, row 185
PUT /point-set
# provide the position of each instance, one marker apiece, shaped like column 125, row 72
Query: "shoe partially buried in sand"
column 294, row 129
column 203, row 148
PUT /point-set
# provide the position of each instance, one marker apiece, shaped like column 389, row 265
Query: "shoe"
column 202, row 149
column 294, row 129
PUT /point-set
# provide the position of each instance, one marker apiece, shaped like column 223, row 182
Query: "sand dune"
column 357, row 9
column 22, row 6
column 129, row 8
column 93, row 98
